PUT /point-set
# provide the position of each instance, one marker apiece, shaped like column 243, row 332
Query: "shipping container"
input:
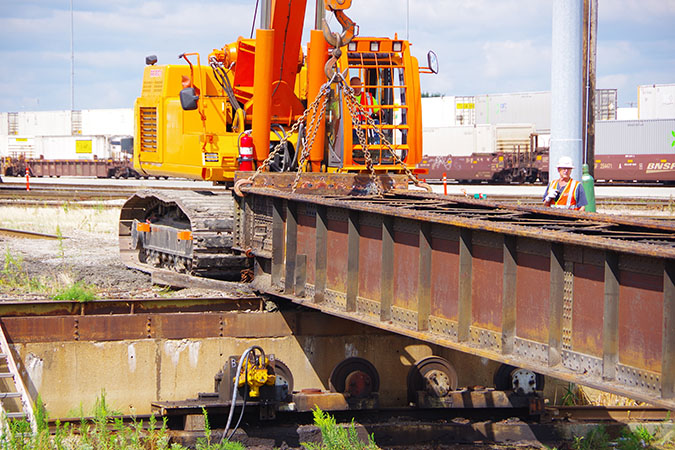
column 487, row 139
column 72, row 147
column 20, row 146
column 110, row 122
column 465, row 110
column 635, row 137
column 459, row 140
column 605, row 104
column 627, row 113
column 438, row 111
column 4, row 124
column 523, row 107
column 656, row 101
column 647, row 167
column 513, row 137
column 44, row 123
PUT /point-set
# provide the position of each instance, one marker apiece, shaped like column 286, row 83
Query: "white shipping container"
column 656, row 101
column 634, row 137
column 459, row 140
column 514, row 137
column 72, row 147
column 523, row 107
column 4, row 124
column 112, row 122
column 437, row 111
column 3, row 147
column 21, row 146
column 44, row 123
column 626, row 114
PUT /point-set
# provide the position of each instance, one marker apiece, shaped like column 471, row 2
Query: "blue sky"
column 483, row 46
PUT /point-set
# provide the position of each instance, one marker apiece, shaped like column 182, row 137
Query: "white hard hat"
column 565, row 162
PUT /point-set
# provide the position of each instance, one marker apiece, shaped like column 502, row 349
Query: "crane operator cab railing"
column 390, row 97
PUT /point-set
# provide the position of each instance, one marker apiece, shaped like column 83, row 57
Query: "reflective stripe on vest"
column 366, row 100
column 568, row 197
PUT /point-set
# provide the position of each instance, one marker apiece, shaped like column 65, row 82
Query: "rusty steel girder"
column 582, row 297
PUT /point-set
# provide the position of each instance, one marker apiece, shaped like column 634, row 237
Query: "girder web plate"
column 582, row 297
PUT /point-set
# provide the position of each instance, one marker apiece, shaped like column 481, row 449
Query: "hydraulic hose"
column 242, row 359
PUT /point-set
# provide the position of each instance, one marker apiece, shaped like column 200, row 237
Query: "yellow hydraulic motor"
column 256, row 373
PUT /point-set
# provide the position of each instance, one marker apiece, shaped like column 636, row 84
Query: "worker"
column 364, row 98
column 369, row 103
column 565, row 192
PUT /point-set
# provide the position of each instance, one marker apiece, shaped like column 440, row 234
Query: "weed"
column 59, row 236
column 77, row 291
column 104, row 432
column 99, row 207
column 164, row 291
column 14, row 276
column 336, row 437
column 640, row 438
column 596, row 439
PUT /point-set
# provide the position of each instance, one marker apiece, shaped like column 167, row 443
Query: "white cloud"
column 511, row 58
column 483, row 46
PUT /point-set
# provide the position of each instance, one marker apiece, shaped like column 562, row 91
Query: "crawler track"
column 207, row 215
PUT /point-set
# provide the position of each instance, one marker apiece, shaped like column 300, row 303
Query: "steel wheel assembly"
column 356, row 377
column 521, row 381
column 284, row 377
column 433, row 375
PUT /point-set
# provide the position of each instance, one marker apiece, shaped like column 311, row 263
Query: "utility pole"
column 590, row 27
column 72, row 60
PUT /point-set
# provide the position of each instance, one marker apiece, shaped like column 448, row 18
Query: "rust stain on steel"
column 326, row 184
column 500, row 218
column 148, row 326
column 640, row 320
column 587, row 312
column 487, row 289
column 125, row 306
column 40, row 329
column 307, row 241
column 532, row 307
column 336, row 263
column 444, row 278
column 406, row 268
column 370, row 261
column 115, row 328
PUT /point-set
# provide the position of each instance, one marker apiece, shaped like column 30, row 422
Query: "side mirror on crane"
column 188, row 99
column 432, row 61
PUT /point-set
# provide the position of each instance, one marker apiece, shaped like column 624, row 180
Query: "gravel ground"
column 34, row 269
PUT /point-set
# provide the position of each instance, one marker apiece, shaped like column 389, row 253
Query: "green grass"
column 639, row 438
column 77, row 291
column 103, row 432
column 14, row 276
column 337, row 437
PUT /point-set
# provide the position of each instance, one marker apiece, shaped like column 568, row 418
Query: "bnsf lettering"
column 661, row 166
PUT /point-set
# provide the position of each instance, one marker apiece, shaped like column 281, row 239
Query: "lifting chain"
column 323, row 93
column 356, row 110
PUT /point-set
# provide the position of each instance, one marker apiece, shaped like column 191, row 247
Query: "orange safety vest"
column 366, row 100
column 568, row 197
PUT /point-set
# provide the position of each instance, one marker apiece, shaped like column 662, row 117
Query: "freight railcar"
column 625, row 151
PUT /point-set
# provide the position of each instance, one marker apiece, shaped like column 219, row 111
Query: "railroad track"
column 45, row 194
column 9, row 232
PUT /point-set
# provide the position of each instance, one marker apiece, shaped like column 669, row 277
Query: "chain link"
column 356, row 111
column 383, row 140
column 308, row 139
